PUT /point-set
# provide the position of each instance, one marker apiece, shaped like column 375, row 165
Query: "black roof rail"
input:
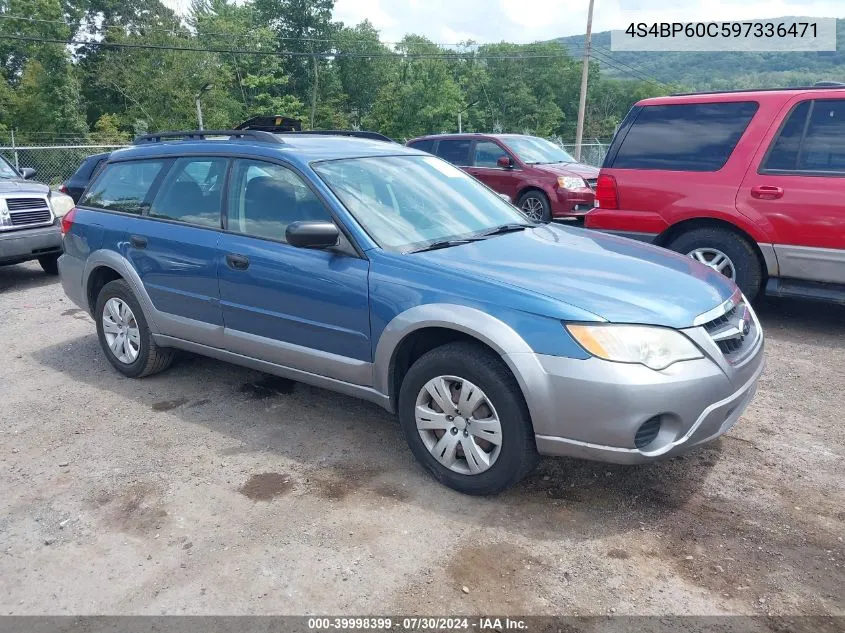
column 374, row 136
column 257, row 135
column 830, row 85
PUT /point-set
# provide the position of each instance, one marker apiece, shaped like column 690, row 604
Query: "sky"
column 451, row 21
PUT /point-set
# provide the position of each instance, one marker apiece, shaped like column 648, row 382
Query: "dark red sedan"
column 540, row 177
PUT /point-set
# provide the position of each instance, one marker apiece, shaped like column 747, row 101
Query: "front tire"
column 465, row 419
column 50, row 264
column 124, row 334
column 535, row 204
column 726, row 252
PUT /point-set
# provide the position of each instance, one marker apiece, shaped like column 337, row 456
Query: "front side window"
column 456, row 151
column 407, row 202
column 533, row 150
column 124, row 186
column 487, row 153
column 264, row 198
column 191, row 192
column 684, row 137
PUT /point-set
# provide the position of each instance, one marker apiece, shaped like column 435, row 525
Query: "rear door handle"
column 138, row 242
column 238, row 262
column 766, row 192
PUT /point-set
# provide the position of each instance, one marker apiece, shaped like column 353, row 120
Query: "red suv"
column 750, row 183
column 541, row 178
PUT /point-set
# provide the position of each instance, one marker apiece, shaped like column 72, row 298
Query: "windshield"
column 536, row 151
column 6, row 170
column 407, row 202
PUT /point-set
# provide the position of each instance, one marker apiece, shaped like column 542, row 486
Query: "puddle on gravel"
column 266, row 486
column 267, row 387
column 168, row 405
column 71, row 312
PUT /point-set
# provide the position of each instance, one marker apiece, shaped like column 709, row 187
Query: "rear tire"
column 535, row 204
column 748, row 273
column 149, row 358
column 471, row 364
column 50, row 264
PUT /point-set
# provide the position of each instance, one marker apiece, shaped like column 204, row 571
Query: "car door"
column 797, row 184
column 486, row 169
column 300, row 308
column 174, row 248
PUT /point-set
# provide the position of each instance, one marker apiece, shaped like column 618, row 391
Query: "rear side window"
column 425, row 145
column 455, row 151
column 124, row 186
column 812, row 140
column 784, row 152
column 684, row 137
column 191, row 192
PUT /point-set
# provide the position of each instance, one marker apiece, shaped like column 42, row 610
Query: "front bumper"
column 25, row 244
column 593, row 408
column 569, row 203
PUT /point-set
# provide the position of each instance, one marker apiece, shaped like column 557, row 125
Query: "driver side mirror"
column 310, row 234
column 27, row 173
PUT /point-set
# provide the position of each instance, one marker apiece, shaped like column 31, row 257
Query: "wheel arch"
column 422, row 328
column 765, row 253
column 109, row 265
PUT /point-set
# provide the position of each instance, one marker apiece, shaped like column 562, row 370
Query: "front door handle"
column 238, row 262
column 766, row 192
column 137, row 241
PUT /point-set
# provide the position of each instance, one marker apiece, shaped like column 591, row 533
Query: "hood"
column 22, row 186
column 617, row 279
column 570, row 169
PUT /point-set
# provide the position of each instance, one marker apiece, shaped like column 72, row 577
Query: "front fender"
column 515, row 352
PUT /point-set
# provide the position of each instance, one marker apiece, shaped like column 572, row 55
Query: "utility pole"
column 585, row 71
column 197, row 97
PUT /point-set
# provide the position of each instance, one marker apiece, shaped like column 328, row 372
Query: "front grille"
column 647, row 432
column 31, row 217
column 592, row 182
column 734, row 331
column 28, row 211
column 25, row 204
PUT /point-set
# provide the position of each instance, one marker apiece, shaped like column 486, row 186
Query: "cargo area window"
column 124, row 186
column 684, row 137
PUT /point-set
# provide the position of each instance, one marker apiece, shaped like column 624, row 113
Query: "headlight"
column 654, row 347
column 60, row 203
column 570, row 182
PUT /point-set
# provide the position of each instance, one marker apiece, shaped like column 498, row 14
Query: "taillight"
column 67, row 220
column 63, row 188
column 607, row 196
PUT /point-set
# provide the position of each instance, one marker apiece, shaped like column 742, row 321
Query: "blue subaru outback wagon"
column 388, row 274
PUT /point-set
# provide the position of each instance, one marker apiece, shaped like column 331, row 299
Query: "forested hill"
column 721, row 70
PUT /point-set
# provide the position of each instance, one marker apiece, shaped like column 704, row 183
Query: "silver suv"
column 30, row 215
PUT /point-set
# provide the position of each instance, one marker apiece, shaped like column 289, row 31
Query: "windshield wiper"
column 505, row 228
column 433, row 246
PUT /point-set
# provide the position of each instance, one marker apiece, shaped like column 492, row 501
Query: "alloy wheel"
column 533, row 208
column 121, row 330
column 458, row 424
column 715, row 259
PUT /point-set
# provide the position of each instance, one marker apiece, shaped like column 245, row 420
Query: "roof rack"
column 271, row 123
column 830, row 85
column 257, row 135
column 373, row 136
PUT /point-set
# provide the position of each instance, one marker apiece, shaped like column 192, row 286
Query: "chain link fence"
column 55, row 160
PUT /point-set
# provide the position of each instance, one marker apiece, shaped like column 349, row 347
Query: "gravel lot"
column 214, row 489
